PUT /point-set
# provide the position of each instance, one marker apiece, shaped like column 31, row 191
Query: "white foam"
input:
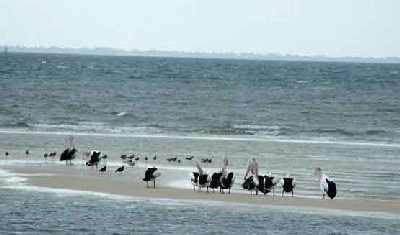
column 9, row 178
column 216, row 138
column 121, row 114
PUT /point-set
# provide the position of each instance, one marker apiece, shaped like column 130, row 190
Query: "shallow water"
column 359, row 171
column 291, row 116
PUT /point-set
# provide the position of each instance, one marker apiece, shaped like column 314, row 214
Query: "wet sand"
column 130, row 184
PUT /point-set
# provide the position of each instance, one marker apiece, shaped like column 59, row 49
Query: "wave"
column 18, row 124
column 210, row 137
column 348, row 133
column 93, row 127
column 263, row 129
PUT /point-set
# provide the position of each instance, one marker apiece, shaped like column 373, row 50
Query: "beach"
column 292, row 117
column 129, row 184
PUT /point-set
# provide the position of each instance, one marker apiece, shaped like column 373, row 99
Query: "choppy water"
column 292, row 116
column 196, row 96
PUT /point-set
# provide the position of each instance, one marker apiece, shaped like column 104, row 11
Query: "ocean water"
column 291, row 116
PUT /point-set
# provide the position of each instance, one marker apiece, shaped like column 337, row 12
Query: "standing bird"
column 189, row 158
column 103, row 169
column 27, row 153
column 120, row 169
column 6, row 154
column 327, row 186
column 155, row 157
column 124, row 157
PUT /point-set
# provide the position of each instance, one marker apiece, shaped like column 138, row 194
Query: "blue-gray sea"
column 291, row 116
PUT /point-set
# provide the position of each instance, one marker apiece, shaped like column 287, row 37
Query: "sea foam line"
column 216, row 138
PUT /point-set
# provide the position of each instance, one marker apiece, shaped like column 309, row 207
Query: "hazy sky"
column 305, row 27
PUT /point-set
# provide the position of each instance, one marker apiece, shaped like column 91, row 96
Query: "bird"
column 132, row 156
column 52, row 154
column 103, row 169
column 179, row 160
column 172, row 159
column 120, row 169
column 189, row 158
column 27, row 152
column 155, row 157
column 123, row 156
column 146, row 158
column 206, row 160
column 45, row 155
column 7, row 154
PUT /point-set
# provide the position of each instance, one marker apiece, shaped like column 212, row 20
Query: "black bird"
column 6, row 154
column 179, row 160
column 190, row 158
column 120, row 169
column 104, row 156
column 145, row 158
column 45, row 155
column 27, row 152
column 132, row 156
column 137, row 158
column 68, row 155
column 52, row 154
column 172, row 159
column 123, row 157
column 154, row 158
column 103, row 169
column 206, row 160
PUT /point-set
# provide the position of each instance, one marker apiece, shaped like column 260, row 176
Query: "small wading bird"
column 206, row 160
column 103, row 169
column 52, row 154
column 189, row 158
column 172, row 159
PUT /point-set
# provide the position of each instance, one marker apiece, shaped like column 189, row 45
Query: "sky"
column 362, row 28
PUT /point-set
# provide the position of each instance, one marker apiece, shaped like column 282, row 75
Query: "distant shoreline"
column 195, row 55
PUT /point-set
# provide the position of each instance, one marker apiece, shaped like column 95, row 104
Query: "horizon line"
column 111, row 51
